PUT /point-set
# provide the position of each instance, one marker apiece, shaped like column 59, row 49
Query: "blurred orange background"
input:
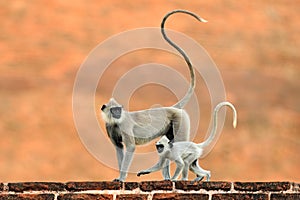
column 255, row 45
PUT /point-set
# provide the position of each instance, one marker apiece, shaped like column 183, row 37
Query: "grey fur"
column 186, row 154
column 140, row 127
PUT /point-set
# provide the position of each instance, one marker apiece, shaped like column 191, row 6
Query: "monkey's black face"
column 159, row 148
column 116, row 112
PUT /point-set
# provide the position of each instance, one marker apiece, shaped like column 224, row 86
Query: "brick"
column 27, row 196
column 181, row 196
column 131, row 185
column 293, row 196
column 197, row 185
column 239, row 196
column 35, row 186
column 156, row 185
column 264, row 186
column 132, row 196
column 225, row 186
column 105, row 185
column 188, row 185
column 72, row 196
column 296, row 187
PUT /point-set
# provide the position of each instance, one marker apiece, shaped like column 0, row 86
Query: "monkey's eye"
column 103, row 107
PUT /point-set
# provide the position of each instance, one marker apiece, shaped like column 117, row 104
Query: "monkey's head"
column 163, row 144
column 112, row 112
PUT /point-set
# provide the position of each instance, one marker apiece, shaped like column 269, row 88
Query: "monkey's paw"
column 117, row 180
column 198, row 178
column 142, row 173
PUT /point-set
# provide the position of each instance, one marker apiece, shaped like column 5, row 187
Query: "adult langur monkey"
column 140, row 127
column 186, row 154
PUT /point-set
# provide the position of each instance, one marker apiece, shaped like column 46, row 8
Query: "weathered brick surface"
column 264, row 186
column 35, row 186
column 193, row 185
column 285, row 196
column 156, row 185
column 180, row 196
column 238, row 196
column 150, row 190
column 188, row 185
column 296, row 187
column 27, row 196
column 106, row 185
column 131, row 185
column 85, row 196
column 132, row 196
column 226, row 186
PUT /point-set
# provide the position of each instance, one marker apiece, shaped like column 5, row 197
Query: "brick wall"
column 149, row 190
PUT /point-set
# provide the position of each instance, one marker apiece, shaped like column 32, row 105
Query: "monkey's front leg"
column 156, row 167
column 120, row 156
column 166, row 170
column 126, row 162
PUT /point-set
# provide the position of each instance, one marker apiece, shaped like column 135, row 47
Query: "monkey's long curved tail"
column 186, row 98
column 212, row 134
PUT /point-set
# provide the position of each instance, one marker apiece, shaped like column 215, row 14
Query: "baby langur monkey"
column 129, row 129
column 186, row 154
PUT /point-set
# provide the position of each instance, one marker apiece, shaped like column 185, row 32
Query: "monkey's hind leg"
column 179, row 167
column 184, row 175
column 198, row 178
column 195, row 168
column 187, row 162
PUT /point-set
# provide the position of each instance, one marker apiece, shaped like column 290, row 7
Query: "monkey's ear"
column 103, row 107
column 170, row 144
